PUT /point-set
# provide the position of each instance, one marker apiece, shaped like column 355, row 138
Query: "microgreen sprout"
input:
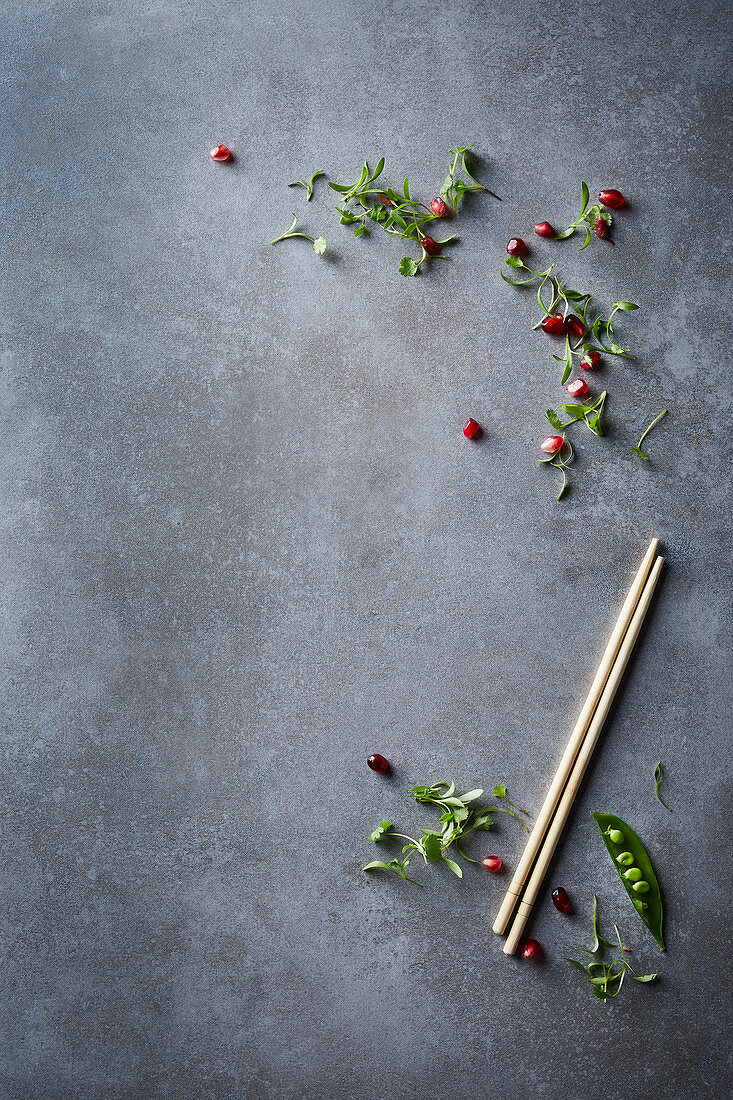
column 589, row 414
column 561, row 462
column 307, row 184
column 605, row 978
column 657, row 780
column 587, row 217
column 454, row 188
column 638, row 449
column 500, row 792
column 319, row 243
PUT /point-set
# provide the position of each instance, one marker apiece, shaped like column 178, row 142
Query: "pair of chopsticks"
column 561, row 795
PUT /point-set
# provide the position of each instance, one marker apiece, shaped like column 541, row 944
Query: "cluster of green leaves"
column 565, row 300
column 458, row 819
column 319, row 243
column 587, row 218
column 606, row 978
column 399, row 215
column 454, row 188
column 308, row 184
column 657, row 781
column 364, row 204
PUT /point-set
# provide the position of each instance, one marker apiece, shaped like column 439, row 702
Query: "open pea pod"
column 635, row 870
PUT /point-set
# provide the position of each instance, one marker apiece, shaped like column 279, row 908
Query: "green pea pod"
column 649, row 907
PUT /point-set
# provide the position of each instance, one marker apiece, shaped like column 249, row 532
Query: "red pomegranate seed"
column 516, row 247
column 578, row 388
column 590, row 360
column 378, row 763
column 220, row 153
column 531, row 949
column 384, row 200
column 554, row 324
column 612, row 198
column 575, row 326
column 431, row 247
column 438, row 207
column 544, row 229
column 601, row 227
column 561, row 901
column 472, row 429
column 552, row 444
column 492, row 863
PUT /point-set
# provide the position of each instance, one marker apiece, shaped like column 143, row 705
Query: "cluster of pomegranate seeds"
column 378, row 763
column 430, row 245
column 531, row 949
column 578, row 388
column 516, row 247
column 561, row 901
column 544, row 229
column 552, row 444
column 472, row 429
column 612, row 198
column 492, row 863
column 554, row 324
column 438, row 207
column 220, row 153
column 590, row 360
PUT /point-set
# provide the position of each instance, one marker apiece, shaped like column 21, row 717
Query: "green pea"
column 633, row 874
column 616, row 836
column 641, row 887
column 625, row 859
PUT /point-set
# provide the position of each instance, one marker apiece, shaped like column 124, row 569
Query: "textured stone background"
column 244, row 542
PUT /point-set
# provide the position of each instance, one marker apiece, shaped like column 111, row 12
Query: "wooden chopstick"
column 586, row 751
column 576, row 739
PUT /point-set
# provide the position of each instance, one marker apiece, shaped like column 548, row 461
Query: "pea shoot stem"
column 638, row 448
column 319, row 243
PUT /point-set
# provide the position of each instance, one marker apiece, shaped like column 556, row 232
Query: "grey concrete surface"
column 244, row 543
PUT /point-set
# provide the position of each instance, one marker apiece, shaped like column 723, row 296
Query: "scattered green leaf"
column 307, row 184
column 638, row 448
column 657, row 780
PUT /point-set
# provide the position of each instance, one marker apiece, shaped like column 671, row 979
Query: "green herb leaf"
column 431, row 846
column 408, row 266
column 381, row 830
column 657, row 779
column 453, row 866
